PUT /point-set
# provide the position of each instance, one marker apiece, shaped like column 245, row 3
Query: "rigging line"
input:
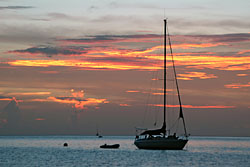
column 181, row 113
column 174, row 123
column 148, row 108
column 157, row 97
column 147, row 101
column 171, row 99
column 157, row 100
column 177, row 127
column 152, row 107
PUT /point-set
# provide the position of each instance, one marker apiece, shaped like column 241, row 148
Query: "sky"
column 75, row 67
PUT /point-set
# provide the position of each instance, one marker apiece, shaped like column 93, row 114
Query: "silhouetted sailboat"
column 158, row 138
column 97, row 133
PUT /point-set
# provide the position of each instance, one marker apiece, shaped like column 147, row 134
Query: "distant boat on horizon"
column 159, row 139
column 97, row 133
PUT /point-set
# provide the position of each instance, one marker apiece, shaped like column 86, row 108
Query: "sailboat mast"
column 165, row 71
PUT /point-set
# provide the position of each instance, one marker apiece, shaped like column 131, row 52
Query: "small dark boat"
column 110, row 146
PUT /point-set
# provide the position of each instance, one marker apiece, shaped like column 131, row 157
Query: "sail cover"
column 155, row 131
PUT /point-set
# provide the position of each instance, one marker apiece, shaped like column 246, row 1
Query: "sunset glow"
column 200, row 62
column 79, row 66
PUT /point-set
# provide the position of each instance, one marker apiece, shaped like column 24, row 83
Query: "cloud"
column 132, row 91
column 228, row 38
column 112, row 38
column 124, row 105
column 191, row 75
column 86, row 65
column 55, row 16
column 78, row 103
column 230, row 63
column 192, row 106
column 117, row 52
column 5, row 98
column 29, row 93
column 49, row 51
column 208, row 26
column 237, row 85
column 76, row 99
column 243, row 52
column 77, row 94
column 15, row 7
column 242, row 75
column 39, row 119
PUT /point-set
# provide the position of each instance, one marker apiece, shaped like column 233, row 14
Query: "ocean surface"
column 39, row 151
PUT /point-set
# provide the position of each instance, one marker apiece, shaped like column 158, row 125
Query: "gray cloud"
column 239, row 37
column 70, row 98
column 208, row 26
column 49, row 51
column 110, row 38
column 59, row 16
column 4, row 97
column 15, row 7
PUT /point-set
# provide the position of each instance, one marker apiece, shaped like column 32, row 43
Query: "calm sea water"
column 84, row 151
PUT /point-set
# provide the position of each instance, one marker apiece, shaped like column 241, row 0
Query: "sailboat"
column 97, row 134
column 159, row 139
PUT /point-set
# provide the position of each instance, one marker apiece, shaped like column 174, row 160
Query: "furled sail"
column 155, row 131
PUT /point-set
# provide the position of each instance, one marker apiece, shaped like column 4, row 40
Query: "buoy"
column 65, row 144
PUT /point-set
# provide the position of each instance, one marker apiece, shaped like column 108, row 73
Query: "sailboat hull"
column 161, row 144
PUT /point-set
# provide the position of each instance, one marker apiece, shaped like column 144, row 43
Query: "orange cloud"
column 30, row 93
column 9, row 99
column 242, row 75
column 244, row 51
column 79, row 94
column 124, row 105
column 113, row 58
column 5, row 99
column 158, row 93
column 81, row 64
column 200, row 75
column 203, row 61
column 39, row 119
column 38, row 100
column 191, row 106
column 132, row 91
column 237, row 85
column 79, row 104
column 112, row 52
